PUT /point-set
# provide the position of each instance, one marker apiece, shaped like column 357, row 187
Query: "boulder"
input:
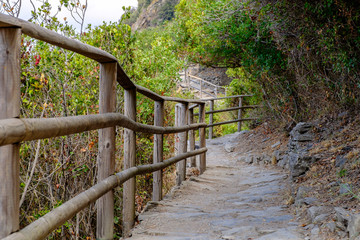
column 315, row 211
column 342, row 215
column 302, row 197
column 302, row 132
column 300, row 143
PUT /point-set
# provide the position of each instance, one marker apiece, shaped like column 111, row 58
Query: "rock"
column 321, row 218
column 299, row 145
column 276, row 144
column 331, row 226
column 340, row 226
column 342, row 234
column 309, row 200
column 340, row 161
column 310, row 226
column 342, row 216
column 345, row 189
column 315, row 232
column 302, row 132
column 266, row 159
column 283, row 234
column 239, row 135
column 151, row 17
column 300, row 163
column 316, row 211
column 249, row 159
column 284, row 162
column 300, row 195
column 354, row 226
column 229, row 147
column 242, row 159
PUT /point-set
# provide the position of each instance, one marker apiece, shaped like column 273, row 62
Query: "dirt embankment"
column 324, row 166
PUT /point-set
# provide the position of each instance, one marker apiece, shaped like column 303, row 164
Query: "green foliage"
column 56, row 83
column 228, row 33
column 301, row 57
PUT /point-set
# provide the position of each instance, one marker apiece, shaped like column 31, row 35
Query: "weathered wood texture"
column 220, row 98
column 43, row 226
column 230, row 109
column 181, row 119
column 17, row 130
column 156, row 97
column 211, row 119
column 106, row 154
column 232, row 121
column 202, row 167
column 129, row 161
column 9, row 108
column 192, row 138
column 240, row 113
column 158, row 150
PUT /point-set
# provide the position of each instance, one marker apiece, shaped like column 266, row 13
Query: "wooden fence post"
column 9, row 108
column 181, row 110
column 129, row 161
column 158, row 150
column 240, row 114
column 211, row 119
column 202, row 167
column 192, row 138
column 106, row 155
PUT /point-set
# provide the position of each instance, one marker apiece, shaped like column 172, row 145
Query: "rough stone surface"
column 302, row 192
column 299, row 146
column 315, row 233
column 229, row 147
column 342, row 215
column 316, row 211
column 354, row 226
column 321, row 218
column 331, row 226
column 231, row 200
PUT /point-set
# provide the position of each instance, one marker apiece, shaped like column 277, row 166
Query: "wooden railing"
column 211, row 113
column 14, row 130
column 202, row 86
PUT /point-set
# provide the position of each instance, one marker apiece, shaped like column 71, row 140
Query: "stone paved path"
column 229, row 201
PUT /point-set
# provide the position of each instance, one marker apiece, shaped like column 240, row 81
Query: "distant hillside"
column 151, row 13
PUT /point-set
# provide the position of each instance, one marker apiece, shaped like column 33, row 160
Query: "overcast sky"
column 97, row 11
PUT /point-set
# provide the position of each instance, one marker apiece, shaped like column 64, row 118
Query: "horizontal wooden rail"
column 207, row 82
column 16, row 130
column 43, row 226
column 202, row 91
column 220, row 98
column 194, row 106
column 230, row 109
column 156, row 97
column 232, row 121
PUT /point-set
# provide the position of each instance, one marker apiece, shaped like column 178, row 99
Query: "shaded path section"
column 229, row 201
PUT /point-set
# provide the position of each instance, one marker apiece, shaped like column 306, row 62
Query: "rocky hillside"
column 152, row 13
column 323, row 164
